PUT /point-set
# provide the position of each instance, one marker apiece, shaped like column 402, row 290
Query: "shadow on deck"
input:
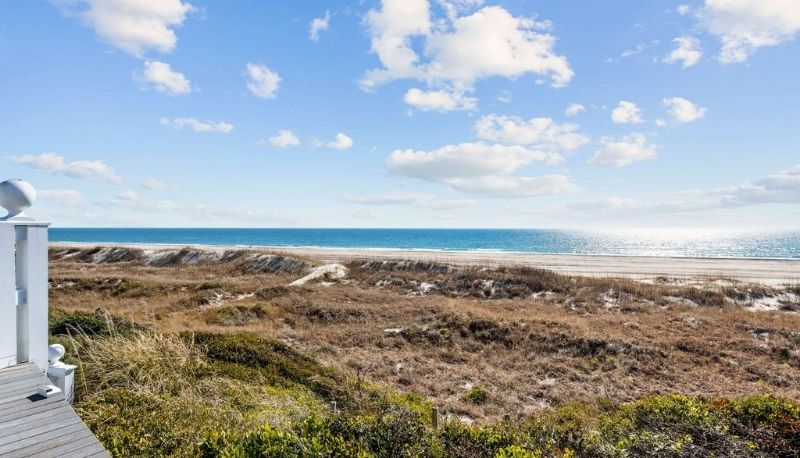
column 34, row 425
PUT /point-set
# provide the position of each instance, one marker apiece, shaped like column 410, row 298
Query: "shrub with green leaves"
column 476, row 395
column 145, row 393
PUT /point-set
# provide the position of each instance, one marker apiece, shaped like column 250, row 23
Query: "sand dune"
column 766, row 271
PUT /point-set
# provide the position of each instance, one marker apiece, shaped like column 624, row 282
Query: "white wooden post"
column 23, row 280
column 8, row 297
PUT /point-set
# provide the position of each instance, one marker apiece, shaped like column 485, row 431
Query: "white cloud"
column 687, row 52
column 48, row 162
column 540, row 132
column 154, row 184
column 779, row 188
column 62, row 197
column 743, row 26
column 514, row 187
column 623, row 151
column 463, row 160
column 128, row 196
column 661, row 122
column 574, row 108
column 683, row 10
column 408, row 199
column 341, row 142
column 492, row 42
column 198, row 126
column 683, row 110
column 459, row 50
column 480, row 168
column 54, row 163
column 442, row 101
column 627, row 113
column 318, row 25
column 164, row 78
column 283, row 139
column 505, row 96
column 133, row 26
column 454, row 8
column 262, row 82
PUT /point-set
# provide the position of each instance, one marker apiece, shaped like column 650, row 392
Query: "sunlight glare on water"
column 632, row 242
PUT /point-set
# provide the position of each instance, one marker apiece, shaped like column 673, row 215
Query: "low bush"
column 145, row 393
column 476, row 395
column 97, row 323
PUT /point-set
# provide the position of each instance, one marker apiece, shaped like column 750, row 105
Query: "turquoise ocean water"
column 639, row 243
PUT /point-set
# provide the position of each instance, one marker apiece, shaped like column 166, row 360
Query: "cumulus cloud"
column 441, row 101
column 164, row 79
column 341, row 142
column 743, row 26
column 318, row 25
column 623, row 151
column 574, row 109
column 682, row 110
column 262, row 82
column 283, row 139
column 683, row 10
column 687, row 52
column 425, row 201
column 460, row 49
column 480, row 168
column 627, row 113
column 198, row 126
column 540, row 132
column 463, row 160
column 133, row 26
column 54, row 163
column 62, row 197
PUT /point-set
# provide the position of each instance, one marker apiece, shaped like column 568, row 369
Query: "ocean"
column 705, row 243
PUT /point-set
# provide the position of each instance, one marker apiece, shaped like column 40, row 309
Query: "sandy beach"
column 765, row 271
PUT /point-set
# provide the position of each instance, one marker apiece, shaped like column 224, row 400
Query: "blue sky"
column 404, row 113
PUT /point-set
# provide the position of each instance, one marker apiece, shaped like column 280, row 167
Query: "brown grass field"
column 528, row 338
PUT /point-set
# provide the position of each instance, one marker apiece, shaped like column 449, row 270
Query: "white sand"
column 766, row 271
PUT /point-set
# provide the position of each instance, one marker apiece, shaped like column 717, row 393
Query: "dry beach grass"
column 530, row 339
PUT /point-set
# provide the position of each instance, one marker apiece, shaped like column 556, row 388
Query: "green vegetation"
column 476, row 395
column 146, row 393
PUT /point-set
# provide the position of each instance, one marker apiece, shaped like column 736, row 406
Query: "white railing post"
column 23, row 279
column 8, row 297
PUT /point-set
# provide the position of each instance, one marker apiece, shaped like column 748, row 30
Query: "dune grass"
column 149, row 393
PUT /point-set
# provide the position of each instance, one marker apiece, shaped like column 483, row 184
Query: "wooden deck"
column 32, row 425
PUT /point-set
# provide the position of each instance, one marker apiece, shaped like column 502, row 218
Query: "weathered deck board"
column 32, row 425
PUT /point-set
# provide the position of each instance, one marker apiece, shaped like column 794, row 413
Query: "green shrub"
column 98, row 323
column 145, row 393
column 247, row 356
column 476, row 395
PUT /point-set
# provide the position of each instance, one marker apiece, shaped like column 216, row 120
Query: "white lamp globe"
column 16, row 196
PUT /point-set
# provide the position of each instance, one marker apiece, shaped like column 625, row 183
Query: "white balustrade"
column 23, row 279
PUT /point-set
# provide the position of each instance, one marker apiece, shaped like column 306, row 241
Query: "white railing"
column 23, row 293
column 23, row 289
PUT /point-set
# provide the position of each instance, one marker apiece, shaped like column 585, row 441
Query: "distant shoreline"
column 771, row 271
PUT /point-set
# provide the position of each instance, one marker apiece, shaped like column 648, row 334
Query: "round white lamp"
column 16, row 196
